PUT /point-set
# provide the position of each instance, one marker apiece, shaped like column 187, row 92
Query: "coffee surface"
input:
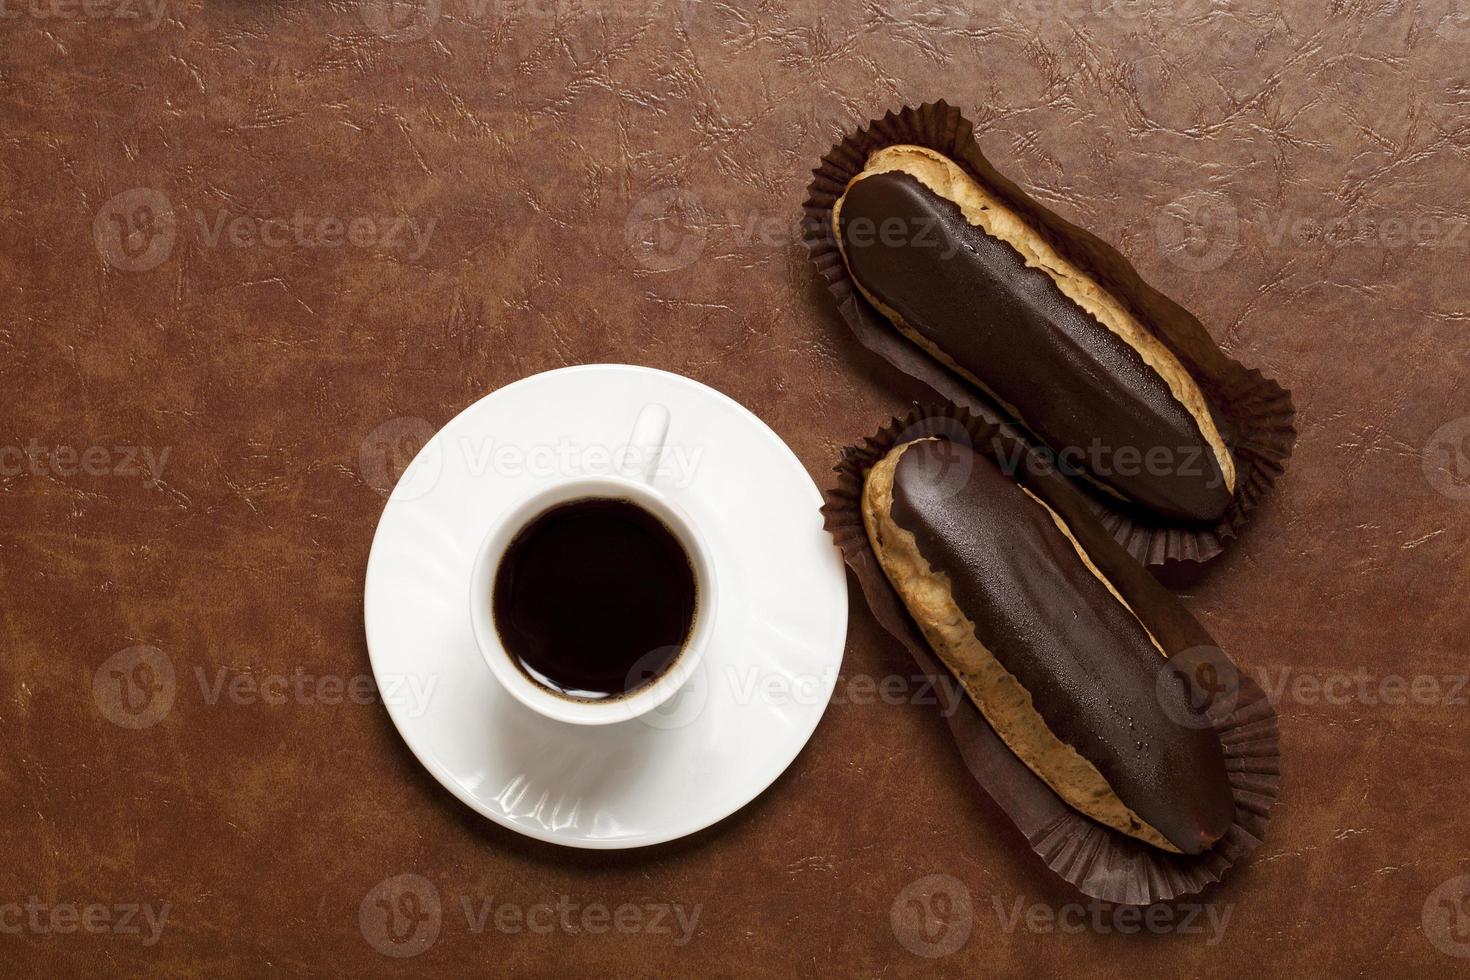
column 595, row 598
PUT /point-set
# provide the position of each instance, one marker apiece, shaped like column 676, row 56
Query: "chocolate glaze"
column 1071, row 380
column 1086, row 660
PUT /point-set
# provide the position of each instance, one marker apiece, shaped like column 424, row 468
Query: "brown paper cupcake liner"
column 1098, row 861
column 1255, row 413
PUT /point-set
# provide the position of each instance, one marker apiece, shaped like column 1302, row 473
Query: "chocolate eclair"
column 967, row 279
column 1059, row 663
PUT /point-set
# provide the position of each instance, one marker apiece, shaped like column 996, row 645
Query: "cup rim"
column 491, row 550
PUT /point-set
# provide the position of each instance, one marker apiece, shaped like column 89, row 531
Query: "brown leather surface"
column 546, row 141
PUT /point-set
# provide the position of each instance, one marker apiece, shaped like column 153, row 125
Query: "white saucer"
column 763, row 684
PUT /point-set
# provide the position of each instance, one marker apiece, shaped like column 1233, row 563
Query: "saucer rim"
column 674, row 831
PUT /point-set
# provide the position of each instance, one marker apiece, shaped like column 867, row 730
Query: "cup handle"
column 646, row 444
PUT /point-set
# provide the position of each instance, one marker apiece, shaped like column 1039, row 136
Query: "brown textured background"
column 542, row 140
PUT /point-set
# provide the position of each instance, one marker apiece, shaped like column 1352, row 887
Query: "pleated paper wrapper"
column 1255, row 413
column 1100, row 862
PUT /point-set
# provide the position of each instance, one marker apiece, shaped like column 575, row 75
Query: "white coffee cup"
column 635, row 483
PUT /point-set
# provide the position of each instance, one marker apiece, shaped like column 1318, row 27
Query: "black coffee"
column 595, row 598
